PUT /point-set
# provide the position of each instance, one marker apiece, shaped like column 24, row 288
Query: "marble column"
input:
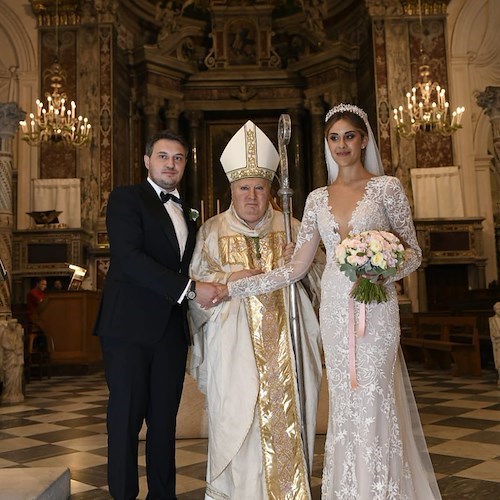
column 193, row 174
column 10, row 114
column 489, row 100
column 298, row 168
column 319, row 176
column 151, row 109
column 173, row 110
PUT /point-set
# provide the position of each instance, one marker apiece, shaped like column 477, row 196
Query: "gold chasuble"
column 242, row 358
column 282, row 456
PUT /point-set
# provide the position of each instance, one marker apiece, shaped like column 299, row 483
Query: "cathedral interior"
column 204, row 67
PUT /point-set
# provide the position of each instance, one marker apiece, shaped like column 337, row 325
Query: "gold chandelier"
column 426, row 108
column 56, row 122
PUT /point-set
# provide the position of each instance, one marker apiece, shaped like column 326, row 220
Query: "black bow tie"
column 169, row 196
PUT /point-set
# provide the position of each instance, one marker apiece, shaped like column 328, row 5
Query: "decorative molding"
column 424, row 7
column 60, row 13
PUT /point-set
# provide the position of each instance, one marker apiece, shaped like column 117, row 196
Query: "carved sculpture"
column 495, row 337
column 11, row 341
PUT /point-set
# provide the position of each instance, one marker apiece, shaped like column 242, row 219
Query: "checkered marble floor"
column 62, row 423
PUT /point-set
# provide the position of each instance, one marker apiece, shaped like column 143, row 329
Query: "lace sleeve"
column 399, row 213
column 305, row 250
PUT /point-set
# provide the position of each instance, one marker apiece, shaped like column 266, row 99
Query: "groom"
column 142, row 321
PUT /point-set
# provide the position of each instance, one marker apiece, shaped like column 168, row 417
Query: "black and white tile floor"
column 62, row 423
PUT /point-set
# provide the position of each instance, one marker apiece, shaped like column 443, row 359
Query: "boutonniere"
column 193, row 214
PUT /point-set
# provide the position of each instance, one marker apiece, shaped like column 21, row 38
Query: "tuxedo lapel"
column 154, row 204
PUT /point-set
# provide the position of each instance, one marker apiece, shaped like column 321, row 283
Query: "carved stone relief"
column 12, row 353
column 382, row 8
column 489, row 100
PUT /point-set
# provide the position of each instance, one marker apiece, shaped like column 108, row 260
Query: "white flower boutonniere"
column 193, row 214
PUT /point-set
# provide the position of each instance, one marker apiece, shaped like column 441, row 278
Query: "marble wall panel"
column 60, row 44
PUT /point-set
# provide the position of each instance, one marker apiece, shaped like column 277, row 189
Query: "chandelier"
column 426, row 108
column 56, row 122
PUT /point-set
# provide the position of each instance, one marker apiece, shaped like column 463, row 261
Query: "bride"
column 375, row 448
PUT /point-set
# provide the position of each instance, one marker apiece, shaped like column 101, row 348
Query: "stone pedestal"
column 37, row 483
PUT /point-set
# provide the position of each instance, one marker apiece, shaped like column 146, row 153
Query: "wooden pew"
column 443, row 339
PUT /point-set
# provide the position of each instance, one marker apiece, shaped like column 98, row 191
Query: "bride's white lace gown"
column 371, row 453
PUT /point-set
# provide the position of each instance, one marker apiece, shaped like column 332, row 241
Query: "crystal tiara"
column 348, row 107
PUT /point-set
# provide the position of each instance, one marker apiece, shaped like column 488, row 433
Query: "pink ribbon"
column 352, row 338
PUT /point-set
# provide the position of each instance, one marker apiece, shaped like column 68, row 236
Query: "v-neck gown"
column 370, row 452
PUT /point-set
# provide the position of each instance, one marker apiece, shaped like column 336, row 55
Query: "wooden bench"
column 443, row 339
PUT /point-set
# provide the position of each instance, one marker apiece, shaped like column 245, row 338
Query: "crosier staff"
column 284, row 133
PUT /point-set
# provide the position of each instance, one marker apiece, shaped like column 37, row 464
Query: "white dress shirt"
column 177, row 216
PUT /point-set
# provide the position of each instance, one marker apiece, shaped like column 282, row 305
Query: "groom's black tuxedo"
column 144, row 336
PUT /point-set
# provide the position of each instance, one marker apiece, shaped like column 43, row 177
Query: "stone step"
column 35, row 483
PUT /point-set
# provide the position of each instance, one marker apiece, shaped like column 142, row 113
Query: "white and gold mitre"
column 249, row 153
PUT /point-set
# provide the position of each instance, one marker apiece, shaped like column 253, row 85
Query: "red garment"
column 34, row 297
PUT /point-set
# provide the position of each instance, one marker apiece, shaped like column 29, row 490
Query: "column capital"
column 315, row 105
column 173, row 108
column 10, row 114
column 489, row 100
column 195, row 117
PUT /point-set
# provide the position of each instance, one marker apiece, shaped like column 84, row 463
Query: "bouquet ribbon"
column 352, row 338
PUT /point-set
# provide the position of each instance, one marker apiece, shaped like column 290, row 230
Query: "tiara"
column 341, row 108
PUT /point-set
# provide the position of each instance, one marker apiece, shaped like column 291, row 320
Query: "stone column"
column 193, row 175
column 151, row 110
column 489, row 100
column 298, row 169
column 318, row 167
column 173, row 110
column 10, row 114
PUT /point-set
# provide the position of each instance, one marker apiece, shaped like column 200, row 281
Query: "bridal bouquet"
column 365, row 257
